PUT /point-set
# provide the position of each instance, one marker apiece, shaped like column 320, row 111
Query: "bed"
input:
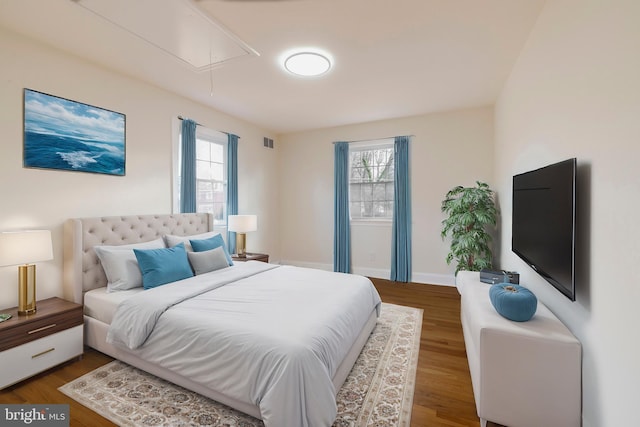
column 275, row 342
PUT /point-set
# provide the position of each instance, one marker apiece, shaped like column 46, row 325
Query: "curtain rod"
column 198, row 124
column 371, row 139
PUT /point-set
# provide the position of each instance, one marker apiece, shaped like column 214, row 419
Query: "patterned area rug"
column 377, row 392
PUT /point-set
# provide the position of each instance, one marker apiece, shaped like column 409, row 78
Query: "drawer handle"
column 43, row 353
column 44, row 328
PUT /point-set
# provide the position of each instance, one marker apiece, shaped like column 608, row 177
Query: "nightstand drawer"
column 39, row 327
column 36, row 356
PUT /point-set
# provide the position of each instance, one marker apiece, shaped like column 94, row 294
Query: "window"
column 371, row 180
column 211, row 174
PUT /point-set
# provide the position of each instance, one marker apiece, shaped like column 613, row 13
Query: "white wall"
column 32, row 198
column 447, row 149
column 575, row 92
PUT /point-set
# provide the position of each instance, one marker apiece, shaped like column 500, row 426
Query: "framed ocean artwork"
column 69, row 135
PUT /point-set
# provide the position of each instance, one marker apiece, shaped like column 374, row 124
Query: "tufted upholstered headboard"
column 81, row 267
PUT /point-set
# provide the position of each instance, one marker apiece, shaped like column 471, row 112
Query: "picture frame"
column 68, row 135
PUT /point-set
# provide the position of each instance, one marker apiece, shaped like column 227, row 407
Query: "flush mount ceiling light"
column 307, row 64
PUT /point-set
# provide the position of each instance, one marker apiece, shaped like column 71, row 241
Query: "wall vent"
column 268, row 142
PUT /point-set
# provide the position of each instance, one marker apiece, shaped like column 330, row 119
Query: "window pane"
column 217, row 153
column 354, row 192
column 204, row 191
column 217, row 171
column 367, row 209
column 355, row 173
column 378, row 210
column 204, row 201
column 371, row 182
column 202, row 150
column 204, row 170
column 388, row 207
column 218, row 212
column 389, row 191
column 387, row 172
column 354, row 208
column 218, row 195
column 379, row 192
column 367, row 192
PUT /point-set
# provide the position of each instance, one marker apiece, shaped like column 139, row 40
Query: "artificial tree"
column 470, row 211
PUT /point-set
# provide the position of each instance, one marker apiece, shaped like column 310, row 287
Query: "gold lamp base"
column 241, row 244
column 26, row 289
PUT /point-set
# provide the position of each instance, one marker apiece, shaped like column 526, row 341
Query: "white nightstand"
column 34, row 343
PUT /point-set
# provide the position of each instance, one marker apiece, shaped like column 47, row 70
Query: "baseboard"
column 434, row 279
column 380, row 273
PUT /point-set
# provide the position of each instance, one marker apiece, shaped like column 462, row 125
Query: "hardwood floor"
column 43, row 388
column 443, row 395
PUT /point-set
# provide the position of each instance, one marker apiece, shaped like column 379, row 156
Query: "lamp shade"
column 24, row 247
column 243, row 223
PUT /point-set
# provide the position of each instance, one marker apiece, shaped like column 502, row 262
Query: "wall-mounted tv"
column 544, row 223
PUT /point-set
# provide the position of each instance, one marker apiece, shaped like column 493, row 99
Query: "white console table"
column 524, row 374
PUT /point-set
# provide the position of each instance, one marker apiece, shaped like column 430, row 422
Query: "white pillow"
column 206, row 261
column 121, row 266
column 172, row 240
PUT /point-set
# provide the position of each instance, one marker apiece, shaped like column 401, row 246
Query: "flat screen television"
column 544, row 223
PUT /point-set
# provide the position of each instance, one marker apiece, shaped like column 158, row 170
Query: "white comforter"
column 268, row 335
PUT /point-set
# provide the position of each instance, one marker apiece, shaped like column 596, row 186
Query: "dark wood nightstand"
column 251, row 257
column 36, row 342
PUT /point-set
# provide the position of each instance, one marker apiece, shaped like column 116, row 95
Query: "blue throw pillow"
column 161, row 266
column 211, row 243
column 513, row 301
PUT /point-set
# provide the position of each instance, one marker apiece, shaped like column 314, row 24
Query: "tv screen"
column 544, row 223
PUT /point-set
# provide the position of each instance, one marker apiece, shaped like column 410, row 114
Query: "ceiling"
column 392, row 58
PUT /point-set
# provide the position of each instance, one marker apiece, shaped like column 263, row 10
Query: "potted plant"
column 470, row 210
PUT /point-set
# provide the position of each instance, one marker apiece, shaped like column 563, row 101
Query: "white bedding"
column 272, row 336
column 101, row 304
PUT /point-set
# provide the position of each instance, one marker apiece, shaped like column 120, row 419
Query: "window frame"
column 364, row 146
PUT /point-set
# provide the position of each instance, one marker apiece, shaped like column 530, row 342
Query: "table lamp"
column 23, row 248
column 241, row 224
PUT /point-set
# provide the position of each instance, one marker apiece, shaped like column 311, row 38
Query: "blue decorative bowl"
column 513, row 301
